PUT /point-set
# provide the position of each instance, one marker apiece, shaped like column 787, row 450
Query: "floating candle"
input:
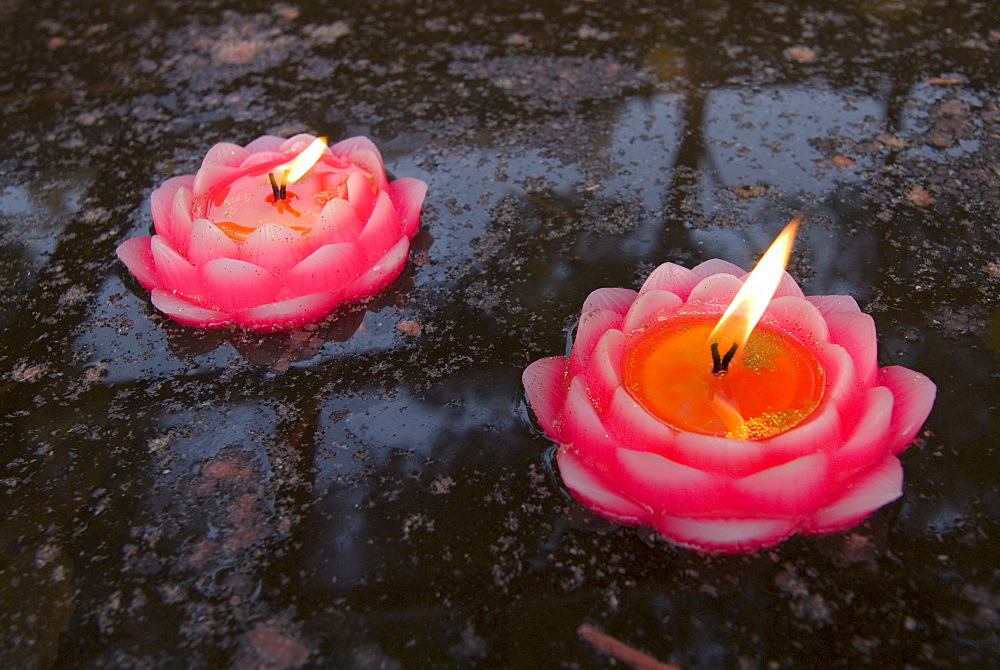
column 662, row 421
column 275, row 234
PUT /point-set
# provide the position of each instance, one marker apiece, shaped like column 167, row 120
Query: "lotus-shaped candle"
column 723, row 435
column 276, row 234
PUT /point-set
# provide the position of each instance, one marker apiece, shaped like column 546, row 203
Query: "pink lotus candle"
column 275, row 234
column 725, row 422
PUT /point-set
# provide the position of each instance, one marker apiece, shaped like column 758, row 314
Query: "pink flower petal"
column 634, row 427
column 834, row 304
column 381, row 273
column 841, row 380
column 717, row 289
column 382, row 230
column 288, row 314
column 798, row 318
column 546, row 385
column 137, row 256
column 784, row 491
column 651, row 307
column 338, row 222
column 274, row 247
column 266, row 144
column 822, row 431
column 604, row 373
column 594, row 492
column 673, row 278
column 614, row 299
column 590, row 329
column 176, row 273
column 728, row 536
column 296, row 144
column 234, row 285
column 208, row 242
column 210, row 176
column 666, row 486
column 186, row 312
column 581, row 426
column 914, row 395
column 161, row 202
column 329, row 269
column 721, row 455
column 717, row 266
column 172, row 215
column 855, row 331
column 263, row 161
column 869, row 441
column 360, row 195
column 226, row 154
column 407, row 196
column 362, row 151
column 788, row 287
column 874, row 488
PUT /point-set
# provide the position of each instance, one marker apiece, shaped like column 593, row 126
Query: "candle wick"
column 284, row 184
column 720, row 364
column 279, row 193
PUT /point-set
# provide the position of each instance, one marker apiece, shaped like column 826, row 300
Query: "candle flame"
column 296, row 168
column 748, row 306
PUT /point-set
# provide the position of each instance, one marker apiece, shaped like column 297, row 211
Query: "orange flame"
column 748, row 306
column 296, row 168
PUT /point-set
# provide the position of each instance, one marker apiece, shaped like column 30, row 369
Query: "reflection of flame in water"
column 748, row 306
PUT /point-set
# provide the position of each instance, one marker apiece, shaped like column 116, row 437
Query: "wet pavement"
column 372, row 493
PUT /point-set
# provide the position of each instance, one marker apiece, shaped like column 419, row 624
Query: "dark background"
column 372, row 494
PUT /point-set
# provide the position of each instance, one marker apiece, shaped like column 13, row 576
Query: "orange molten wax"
column 772, row 384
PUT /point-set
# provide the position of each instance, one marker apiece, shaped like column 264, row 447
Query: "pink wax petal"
column 137, row 256
column 590, row 329
column 822, row 431
column 338, row 222
column 546, row 385
column 296, row 144
column 717, row 266
column 288, row 314
column 666, row 486
column 227, row 154
column 788, row 287
column 360, row 195
column 673, row 278
column 634, row 427
column 834, row 304
column 329, row 269
column 261, row 162
column 382, row 230
column 176, row 222
column 721, row 455
column 274, row 247
column 266, row 143
column 650, row 308
column 914, row 395
column 784, row 491
column 208, row 242
column 614, row 299
column 604, row 374
column 869, row 441
column 581, row 427
column 186, row 312
column 234, row 286
column 855, row 331
column 381, row 273
column 841, row 379
column 730, row 536
column 595, row 493
column 362, row 151
column 874, row 488
column 176, row 273
column 798, row 318
column 717, row 289
column 210, row 176
column 407, row 196
column 161, row 202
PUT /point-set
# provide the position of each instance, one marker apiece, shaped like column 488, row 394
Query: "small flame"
column 296, row 168
column 750, row 302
